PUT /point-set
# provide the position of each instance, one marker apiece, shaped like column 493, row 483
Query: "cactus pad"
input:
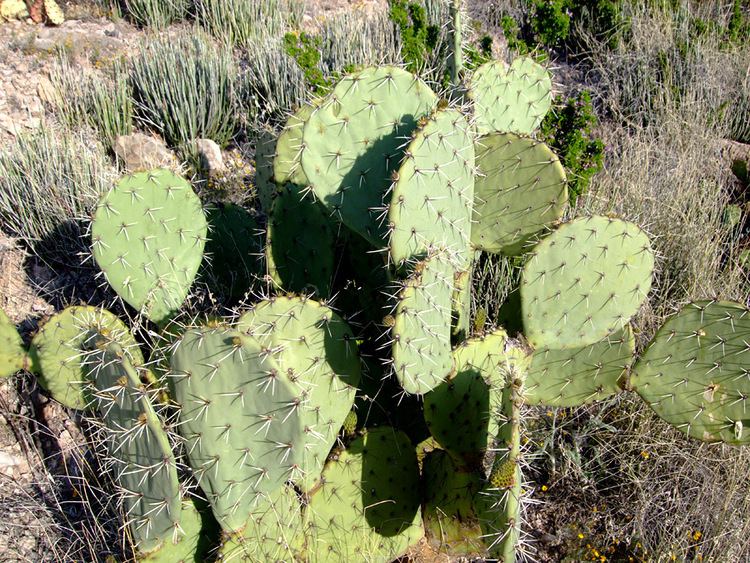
column 185, row 545
column 287, row 165
column 367, row 505
column 510, row 98
column 141, row 453
column 432, row 195
column 585, row 281
column 12, row 353
column 576, row 376
column 695, row 373
column 520, row 190
column 421, row 329
column 148, row 236
column 240, row 418
column 354, row 141
column 459, row 412
column 58, row 351
column 317, row 355
column 300, row 247
column 265, row 149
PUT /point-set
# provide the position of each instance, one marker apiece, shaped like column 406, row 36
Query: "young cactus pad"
column 513, row 98
column 239, row 417
column 694, row 373
column 520, row 190
column 421, row 330
column 367, row 505
column 287, row 163
column 317, row 355
column 575, row 376
column 59, row 349
column 354, row 141
column 585, row 281
column 432, row 195
column 12, row 352
column 148, row 236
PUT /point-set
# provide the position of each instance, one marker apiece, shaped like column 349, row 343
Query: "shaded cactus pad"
column 354, row 141
column 12, row 352
column 694, row 374
column 585, row 281
column 148, row 236
column 576, row 376
column 520, row 190
column 512, row 98
column 60, row 348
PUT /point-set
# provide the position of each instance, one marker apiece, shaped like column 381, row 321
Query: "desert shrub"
column 305, row 49
column 418, row 36
column 239, row 22
column 183, row 87
column 155, row 13
column 49, row 181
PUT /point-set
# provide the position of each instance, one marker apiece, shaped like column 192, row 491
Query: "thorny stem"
column 457, row 55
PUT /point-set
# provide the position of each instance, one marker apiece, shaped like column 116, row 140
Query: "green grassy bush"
column 239, row 22
column 155, row 13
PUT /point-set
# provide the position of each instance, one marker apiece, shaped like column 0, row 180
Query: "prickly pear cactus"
column 433, row 191
column 366, row 507
column 584, row 282
column 287, row 163
column 148, row 235
column 353, row 142
column 59, row 349
column 577, row 376
column 510, row 98
column 265, row 151
column 694, row 373
column 521, row 190
column 12, row 353
column 317, row 356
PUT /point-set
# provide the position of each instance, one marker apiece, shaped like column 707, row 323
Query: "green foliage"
column 738, row 27
column 568, row 130
column 512, row 34
column 305, row 49
column 417, row 36
column 550, row 22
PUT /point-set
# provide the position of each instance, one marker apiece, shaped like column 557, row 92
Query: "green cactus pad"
column 141, row 453
column 234, row 250
column 584, row 282
column 58, row 351
column 354, row 141
column 301, row 244
column 510, row 98
column 239, row 417
column 695, row 373
column 12, row 353
column 317, row 354
column 265, row 150
column 185, row 545
column 421, row 329
column 577, row 376
column 450, row 521
column 148, row 236
column 431, row 199
column 287, row 164
column 459, row 411
column 274, row 530
column 520, row 190
column 367, row 505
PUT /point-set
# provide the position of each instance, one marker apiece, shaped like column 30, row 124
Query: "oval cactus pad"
column 12, row 353
column 585, row 281
column 695, row 373
column 148, row 236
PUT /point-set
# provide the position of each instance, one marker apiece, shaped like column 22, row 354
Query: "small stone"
column 45, row 90
column 140, row 152
column 210, row 154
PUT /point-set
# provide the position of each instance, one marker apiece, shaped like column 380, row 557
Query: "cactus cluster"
column 347, row 415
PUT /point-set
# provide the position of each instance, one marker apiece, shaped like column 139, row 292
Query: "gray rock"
column 212, row 160
column 141, row 152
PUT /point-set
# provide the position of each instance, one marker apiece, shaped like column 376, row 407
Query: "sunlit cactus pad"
column 147, row 237
column 287, row 162
column 59, row 351
column 510, row 98
column 317, row 355
column 421, row 331
column 585, row 281
column 695, row 373
column 367, row 505
column 459, row 411
column 140, row 451
column 354, row 141
column 520, row 190
column 576, row 376
column 239, row 417
column 12, row 352
column 432, row 196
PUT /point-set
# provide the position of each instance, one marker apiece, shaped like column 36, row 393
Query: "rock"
column 141, row 152
column 210, row 154
column 46, row 90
